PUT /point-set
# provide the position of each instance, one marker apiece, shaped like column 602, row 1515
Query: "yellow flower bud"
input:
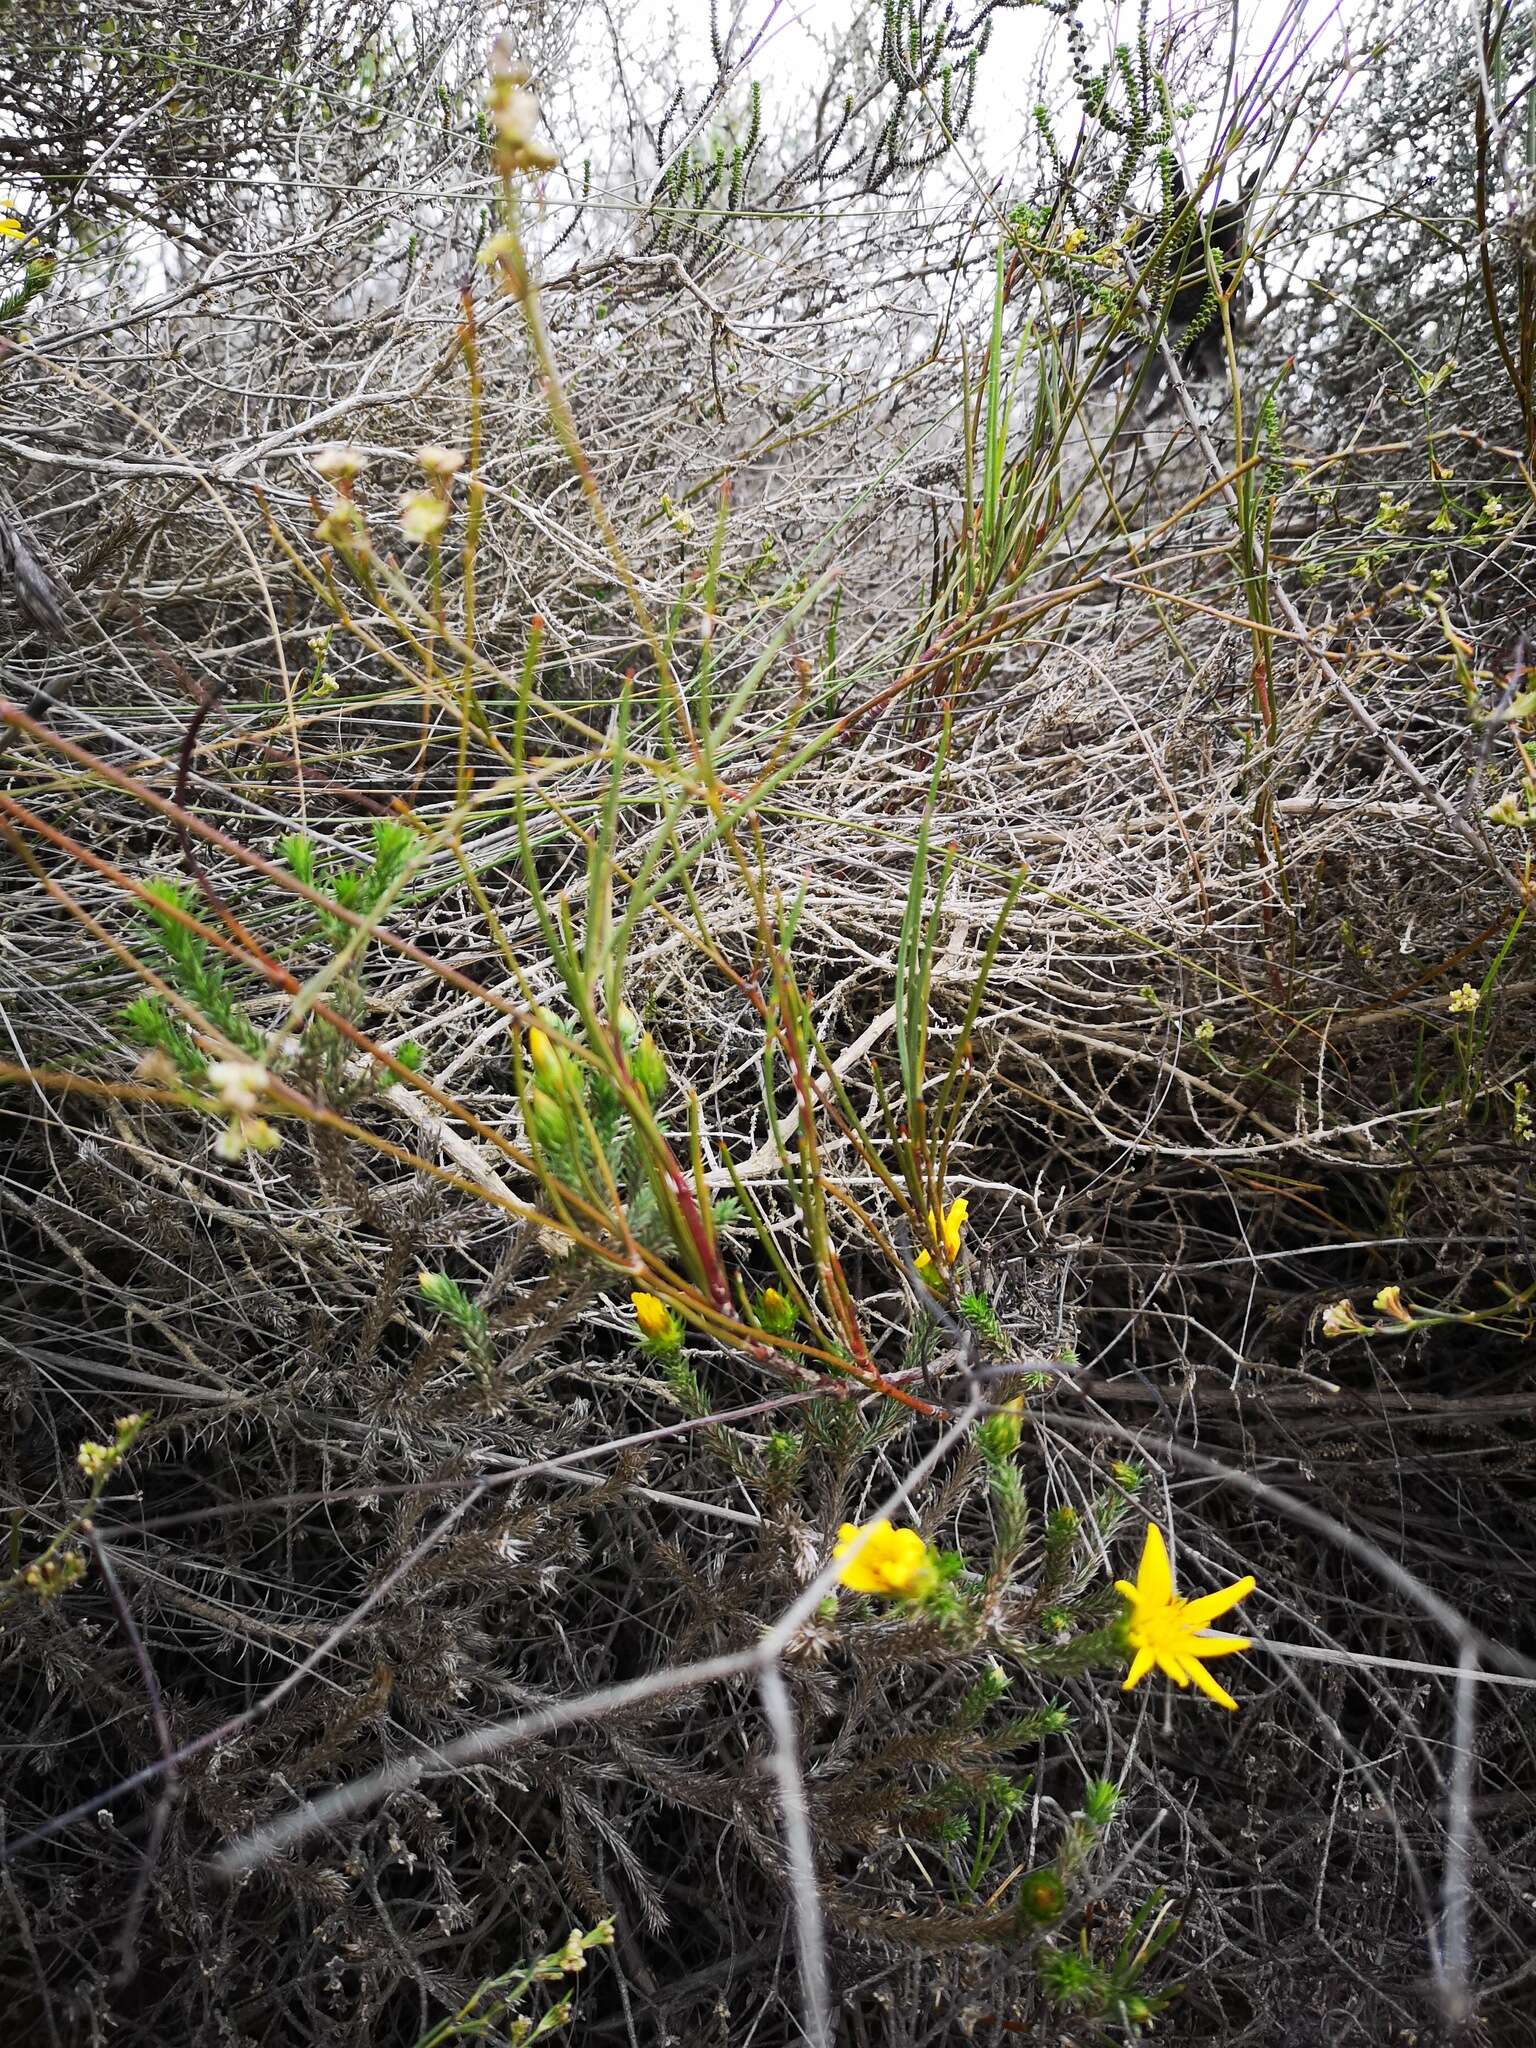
column 1002, row 1431
column 776, row 1312
column 659, row 1328
column 342, row 527
column 547, row 1063
column 1043, row 1897
column 514, row 114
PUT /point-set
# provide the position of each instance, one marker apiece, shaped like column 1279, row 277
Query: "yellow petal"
column 1198, row 1612
column 857, row 1568
column 1209, row 1687
column 1125, row 1589
column 1154, row 1576
column 905, row 1554
column 1172, row 1666
column 1141, row 1664
column 1217, row 1646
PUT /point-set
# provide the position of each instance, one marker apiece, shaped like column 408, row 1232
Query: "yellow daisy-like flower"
column 11, row 228
column 879, row 1559
column 1168, row 1632
column 946, row 1232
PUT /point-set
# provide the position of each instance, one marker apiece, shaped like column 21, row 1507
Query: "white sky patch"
column 790, row 42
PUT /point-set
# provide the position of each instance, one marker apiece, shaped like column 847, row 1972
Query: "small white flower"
column 341, row 464
column 440, row 463
column 239, row 1084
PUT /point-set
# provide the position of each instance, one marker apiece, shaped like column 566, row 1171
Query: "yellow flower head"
column 10, row 227
column 95, row 1460
column 1168, row 1632
column 657, row 1323
column 879, row 1559
column 1463, row 1000
column 1390, row 1303
column 946, row 1232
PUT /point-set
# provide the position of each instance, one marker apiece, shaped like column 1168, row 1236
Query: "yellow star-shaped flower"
column 1168, row 1632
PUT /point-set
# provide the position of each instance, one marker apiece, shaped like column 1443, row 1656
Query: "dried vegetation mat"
column 768, row 1019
